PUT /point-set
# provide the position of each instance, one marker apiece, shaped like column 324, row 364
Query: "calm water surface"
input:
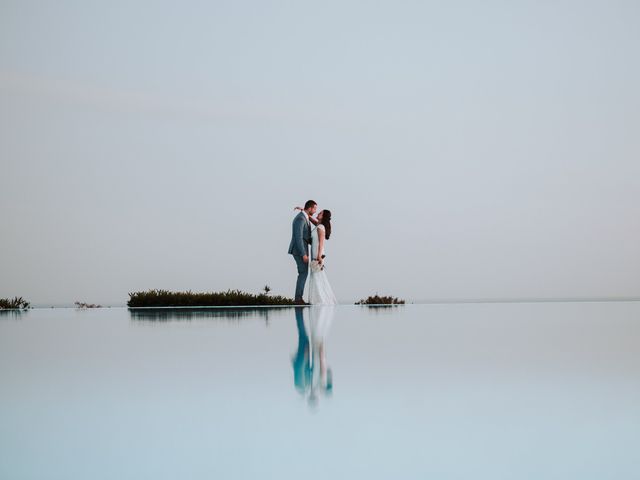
column 477, row 391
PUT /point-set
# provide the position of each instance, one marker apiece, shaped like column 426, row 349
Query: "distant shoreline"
column 423, row 302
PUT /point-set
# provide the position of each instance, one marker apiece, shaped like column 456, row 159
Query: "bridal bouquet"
column 316, row 266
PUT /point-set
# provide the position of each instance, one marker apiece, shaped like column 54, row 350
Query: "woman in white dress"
column 320, row 291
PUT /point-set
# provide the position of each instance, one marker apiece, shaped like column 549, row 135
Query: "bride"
column 320, row 291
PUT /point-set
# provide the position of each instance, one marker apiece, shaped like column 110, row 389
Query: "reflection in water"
column 312, row 376
column 454, row 389
column 382, row 309
column 12, row 313
column 232, row 314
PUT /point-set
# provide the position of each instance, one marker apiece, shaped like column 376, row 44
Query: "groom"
column 299, row 246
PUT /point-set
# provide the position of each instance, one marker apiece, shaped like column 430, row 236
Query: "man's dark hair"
column 309, row 204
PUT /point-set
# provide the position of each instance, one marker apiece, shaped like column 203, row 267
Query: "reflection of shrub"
column 378, row 300
column 231, row 314
column 87, row 305
column 165, row 298
column 16, row 302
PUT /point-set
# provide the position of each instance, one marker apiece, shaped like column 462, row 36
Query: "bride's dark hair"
column 326, row 221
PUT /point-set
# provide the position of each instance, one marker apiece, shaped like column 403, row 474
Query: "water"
column 478, row 391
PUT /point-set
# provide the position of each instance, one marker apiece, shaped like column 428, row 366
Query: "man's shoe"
column 301, row 302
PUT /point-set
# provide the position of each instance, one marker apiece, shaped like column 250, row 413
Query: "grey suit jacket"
column 300, row 236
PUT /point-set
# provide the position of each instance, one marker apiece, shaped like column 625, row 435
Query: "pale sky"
column 466, row 149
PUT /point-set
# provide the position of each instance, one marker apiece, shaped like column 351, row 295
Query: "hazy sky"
column 466, row 149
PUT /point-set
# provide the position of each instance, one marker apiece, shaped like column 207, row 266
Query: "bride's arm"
column 320, row 244
column 311, row 219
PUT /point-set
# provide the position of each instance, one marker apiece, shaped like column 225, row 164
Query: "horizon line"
column 452, row 301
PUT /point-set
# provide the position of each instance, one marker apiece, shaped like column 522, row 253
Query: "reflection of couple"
column 311, row 373
column 304, row 235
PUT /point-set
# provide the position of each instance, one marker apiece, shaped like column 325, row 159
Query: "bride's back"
column 315, row 241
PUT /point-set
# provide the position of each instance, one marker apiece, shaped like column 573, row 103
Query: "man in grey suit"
column 299, row 246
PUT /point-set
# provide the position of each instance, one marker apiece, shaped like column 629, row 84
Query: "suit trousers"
column 303, row 271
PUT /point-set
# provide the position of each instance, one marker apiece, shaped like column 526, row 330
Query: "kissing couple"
column 312, row 233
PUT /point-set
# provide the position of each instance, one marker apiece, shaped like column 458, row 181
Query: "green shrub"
column 230, row 298
column 14, row 303
column 378, row 300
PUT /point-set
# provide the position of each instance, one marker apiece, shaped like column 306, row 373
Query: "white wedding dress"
column 320, row 291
